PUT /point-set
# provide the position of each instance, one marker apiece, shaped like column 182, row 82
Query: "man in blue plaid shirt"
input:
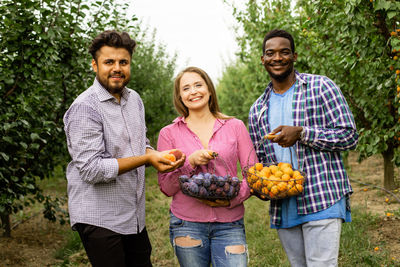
column 313, row 125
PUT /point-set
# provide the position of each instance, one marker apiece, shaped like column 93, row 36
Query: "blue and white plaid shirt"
column 321, row 109
column 99, row 130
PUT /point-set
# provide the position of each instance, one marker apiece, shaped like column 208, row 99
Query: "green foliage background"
column 354, row 42
column 43, row 67
column 152, row 73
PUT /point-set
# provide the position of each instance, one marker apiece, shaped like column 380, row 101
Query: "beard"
column 282, row 76
column 113, row 88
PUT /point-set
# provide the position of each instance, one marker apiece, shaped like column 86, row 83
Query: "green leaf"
column 35, row 136
column 24, row 145
column 35, row 146
column 9, row 80
column 30, row 186
column 25, row 122
column 382, row 5
column 5, row 156
column 389, row 83
column 395, row 42
column 392, row 14
column 8, row 139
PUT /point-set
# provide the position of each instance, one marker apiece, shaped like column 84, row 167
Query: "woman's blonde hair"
column 212, row 103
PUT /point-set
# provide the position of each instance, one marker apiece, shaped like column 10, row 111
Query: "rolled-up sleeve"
column 85, row 141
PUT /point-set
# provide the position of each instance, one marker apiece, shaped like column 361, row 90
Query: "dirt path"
column 377, row 201
column 32, row 244
column 35, row 241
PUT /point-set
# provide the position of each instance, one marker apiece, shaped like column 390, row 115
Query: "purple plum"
column 203, row 192
column 193, row 188
column 226, row 187
column 235, row 181
column 212, row 187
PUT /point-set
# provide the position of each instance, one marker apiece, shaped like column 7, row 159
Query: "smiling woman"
column 194, row 91
column 201, row 231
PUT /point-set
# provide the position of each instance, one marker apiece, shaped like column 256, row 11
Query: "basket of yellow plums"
column 275, row 181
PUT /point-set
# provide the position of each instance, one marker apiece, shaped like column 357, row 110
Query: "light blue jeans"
column 312, row 244
column 211, row 243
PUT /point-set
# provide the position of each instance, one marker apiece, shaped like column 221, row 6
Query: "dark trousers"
column 109, row 249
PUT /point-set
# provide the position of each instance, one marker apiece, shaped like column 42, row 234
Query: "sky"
column 199, row 31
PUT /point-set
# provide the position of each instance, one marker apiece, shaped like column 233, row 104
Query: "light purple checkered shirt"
column 99, row 130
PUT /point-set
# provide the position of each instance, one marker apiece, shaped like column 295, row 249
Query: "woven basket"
column 208, row 185
column 275, row 180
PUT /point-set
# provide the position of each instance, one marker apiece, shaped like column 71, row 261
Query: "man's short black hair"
column 114, row 39
column 278, row 33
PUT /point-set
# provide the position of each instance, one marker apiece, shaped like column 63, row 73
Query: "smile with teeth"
column 116, row 77
column 195, row 99
column 278, row 65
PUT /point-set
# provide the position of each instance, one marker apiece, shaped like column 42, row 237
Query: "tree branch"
column 360, row 113
column 9, row 92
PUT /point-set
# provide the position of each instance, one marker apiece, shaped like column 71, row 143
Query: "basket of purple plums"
column 209, row 186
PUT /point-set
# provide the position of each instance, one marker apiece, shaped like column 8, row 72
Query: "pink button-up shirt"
column 231, row 140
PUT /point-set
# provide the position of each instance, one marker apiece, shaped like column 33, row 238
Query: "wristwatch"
column 302, row 133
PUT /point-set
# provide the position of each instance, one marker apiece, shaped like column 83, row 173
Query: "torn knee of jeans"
column 187, row 242
column 235, row 249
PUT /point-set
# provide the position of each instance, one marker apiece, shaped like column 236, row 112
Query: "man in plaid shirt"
column 313, row 125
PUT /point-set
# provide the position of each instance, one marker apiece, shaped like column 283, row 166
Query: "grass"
column 72, row 246
column 356, row 249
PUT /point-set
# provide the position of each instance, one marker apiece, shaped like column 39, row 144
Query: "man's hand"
column 288, row 135
column 216, row 203
column 162, row 164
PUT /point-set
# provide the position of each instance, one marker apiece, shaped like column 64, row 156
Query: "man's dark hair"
column 278, row 33
column 114, row 39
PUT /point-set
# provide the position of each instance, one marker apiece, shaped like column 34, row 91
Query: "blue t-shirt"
column 280, row 113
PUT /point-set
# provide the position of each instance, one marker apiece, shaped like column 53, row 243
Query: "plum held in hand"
column 209, row 186
column 173, row 155
column 177, row 153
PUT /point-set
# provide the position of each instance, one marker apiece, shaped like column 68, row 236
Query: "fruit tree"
column 44, row 65
column 354, row 42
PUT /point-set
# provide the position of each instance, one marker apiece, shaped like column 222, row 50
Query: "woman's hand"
column 201, row 157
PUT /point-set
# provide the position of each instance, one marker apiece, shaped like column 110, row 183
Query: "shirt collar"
column 179, row 119
column 104, row 95
column 299, row 77
column 182, row 119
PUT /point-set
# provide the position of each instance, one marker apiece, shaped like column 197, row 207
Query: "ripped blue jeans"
column 198, row 244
